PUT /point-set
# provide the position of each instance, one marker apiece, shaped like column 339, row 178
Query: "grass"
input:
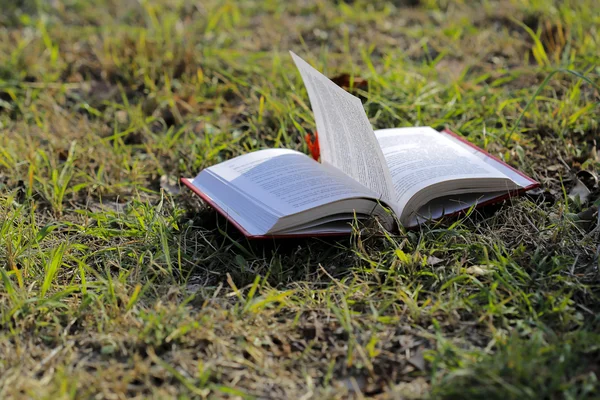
column 116, row 284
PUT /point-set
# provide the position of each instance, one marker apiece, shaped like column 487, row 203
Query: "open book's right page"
column 518, row 177
column 421, row 157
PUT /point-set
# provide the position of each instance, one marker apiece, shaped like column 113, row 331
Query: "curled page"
column 346, row 138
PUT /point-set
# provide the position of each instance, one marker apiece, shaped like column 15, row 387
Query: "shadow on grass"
column 286, row 260
column 281, row 260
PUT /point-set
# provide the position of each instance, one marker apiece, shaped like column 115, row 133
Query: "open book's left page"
column 346, row 138
column 260, row 188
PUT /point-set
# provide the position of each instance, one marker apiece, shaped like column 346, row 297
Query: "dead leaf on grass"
column 347, row 81
column 432, row 260
column 122, row 117
column 418, row 359
column 415, row 389
column 480, row 270
column 579, row 191
column 554, row 168
column 100, row 206
column 170, row 184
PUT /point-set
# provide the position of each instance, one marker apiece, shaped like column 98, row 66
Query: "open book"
column 416, row 174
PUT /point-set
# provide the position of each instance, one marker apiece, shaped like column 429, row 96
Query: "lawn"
column 117, row 283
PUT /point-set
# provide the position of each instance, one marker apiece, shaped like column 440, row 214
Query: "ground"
column 117, row 283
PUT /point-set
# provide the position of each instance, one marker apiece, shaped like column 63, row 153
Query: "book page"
column 286, row 181
column 420, row 157
column 517, row 177
column 346, row 137
column 448, row 205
